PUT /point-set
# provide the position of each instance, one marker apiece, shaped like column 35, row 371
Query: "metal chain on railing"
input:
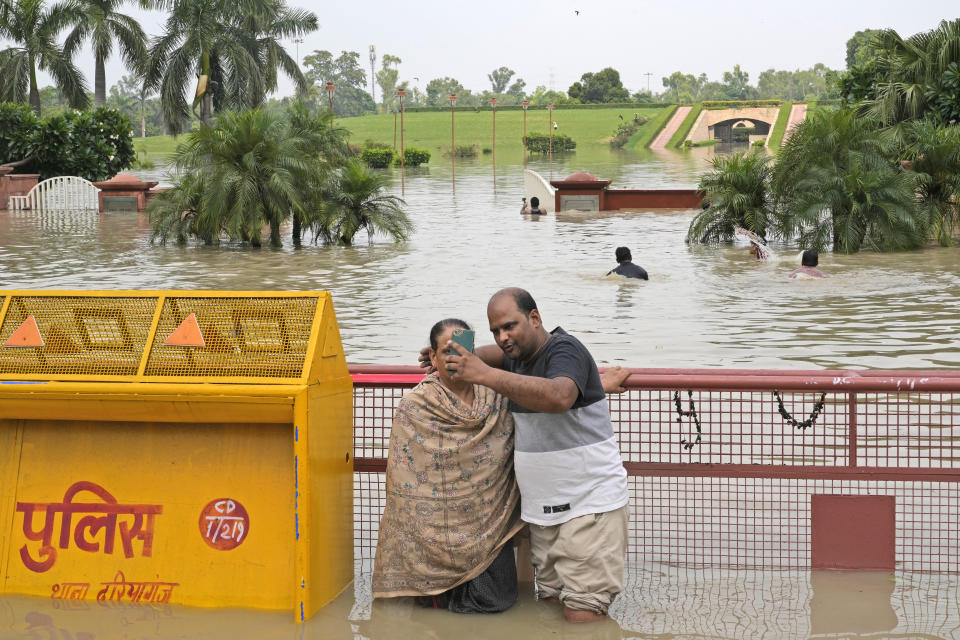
column 811, row 419
column 692, row 413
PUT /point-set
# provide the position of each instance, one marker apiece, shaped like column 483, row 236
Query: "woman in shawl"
column 452, row 500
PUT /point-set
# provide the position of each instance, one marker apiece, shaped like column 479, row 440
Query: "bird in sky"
column 576, row 11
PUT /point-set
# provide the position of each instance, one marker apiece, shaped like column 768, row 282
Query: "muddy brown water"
column 704, row 306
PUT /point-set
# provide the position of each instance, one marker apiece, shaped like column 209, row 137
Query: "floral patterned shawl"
column 452, row 499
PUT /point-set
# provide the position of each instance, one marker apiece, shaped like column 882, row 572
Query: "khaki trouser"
column 581, row 561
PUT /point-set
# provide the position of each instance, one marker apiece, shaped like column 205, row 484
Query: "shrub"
column 369, row 143
column 487, row 151
column 760, row 142
column 626, row 129
column 94, row 144
column 540, row 143
column 466, row 150
column 377, row 158
column 412, row 157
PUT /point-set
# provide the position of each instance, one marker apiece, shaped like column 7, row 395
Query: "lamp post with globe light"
column 401, row 94
column 525, row 104
column 330, row 89
column 453, row 152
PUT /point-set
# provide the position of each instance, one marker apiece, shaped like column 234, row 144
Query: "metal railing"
column 739, row 495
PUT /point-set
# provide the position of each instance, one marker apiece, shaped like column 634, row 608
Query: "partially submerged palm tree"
column 836, row 185
column 256, row 169
column 247, row 172
column 34, row 28
column 738, row 193
column 933, row 154
column 101, row 22
column 356, row 200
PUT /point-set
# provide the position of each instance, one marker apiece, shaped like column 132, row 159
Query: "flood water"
column 658, row 602
column 704, row 306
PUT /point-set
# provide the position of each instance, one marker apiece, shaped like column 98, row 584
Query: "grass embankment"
column 779, row 128
column 642, row 138
column 431, row 130
column 676, row 140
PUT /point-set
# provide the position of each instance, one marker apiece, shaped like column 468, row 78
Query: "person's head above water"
column 623, row 255
column 516, row 324
column 810, row 258
column 440, row 333
column 534, row 202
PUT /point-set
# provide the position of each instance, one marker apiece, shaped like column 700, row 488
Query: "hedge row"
column 713, row 105
column 647, row 134
column 565, row 107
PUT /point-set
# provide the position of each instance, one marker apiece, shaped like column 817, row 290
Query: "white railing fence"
column 63, row 193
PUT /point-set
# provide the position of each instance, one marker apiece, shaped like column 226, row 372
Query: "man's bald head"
column 524, row 301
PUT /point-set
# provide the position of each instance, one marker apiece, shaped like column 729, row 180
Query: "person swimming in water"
column 808, row 267
column 533, row 208
column 625, row 266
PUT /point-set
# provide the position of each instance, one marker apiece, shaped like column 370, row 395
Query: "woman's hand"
column 425, row 361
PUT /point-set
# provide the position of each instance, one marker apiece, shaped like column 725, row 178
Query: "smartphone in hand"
column 464, row 338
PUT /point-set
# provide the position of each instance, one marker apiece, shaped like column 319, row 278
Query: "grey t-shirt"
column 629, row 270
column 567, row 464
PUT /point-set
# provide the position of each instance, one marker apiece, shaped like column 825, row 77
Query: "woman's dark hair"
column 810, row 258
column 449, row 323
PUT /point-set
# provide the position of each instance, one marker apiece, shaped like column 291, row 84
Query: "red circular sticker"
column 224, row 524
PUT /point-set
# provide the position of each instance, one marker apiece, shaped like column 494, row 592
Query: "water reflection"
column 658, row 601
column 704, row 306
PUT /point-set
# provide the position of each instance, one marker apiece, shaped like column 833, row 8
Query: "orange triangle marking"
column 26, row 335
column 187, row 334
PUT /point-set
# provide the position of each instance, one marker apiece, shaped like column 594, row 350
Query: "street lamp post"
column 401, row 94
column 453, row 148
column 525, row 104
column 330, row 89
column 550, row 128
column 493, row 107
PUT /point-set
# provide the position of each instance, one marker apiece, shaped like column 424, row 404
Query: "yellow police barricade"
column 175, row 446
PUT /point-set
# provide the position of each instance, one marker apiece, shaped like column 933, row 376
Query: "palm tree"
column 355, row 201
column 910, row 66
column 34, row 29
column 248, row 171
column 932, row 152
column 738, row 192
column 834, row 184
column 230, row 47
column 101, row 22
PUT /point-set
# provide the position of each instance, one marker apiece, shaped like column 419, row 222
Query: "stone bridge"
column 719, row 123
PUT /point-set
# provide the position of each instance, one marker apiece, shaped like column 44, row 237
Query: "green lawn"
column 431, row 130
column 779, row 128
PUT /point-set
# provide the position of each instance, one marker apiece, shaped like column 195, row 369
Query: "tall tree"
column 500, row 78
column 603, row 86
column 34, row 27
column 439, row 90
column 345, row 71
column 231, row 48
column 101, row 22
column 736, row 83
column 862, row 48
column 387, row 78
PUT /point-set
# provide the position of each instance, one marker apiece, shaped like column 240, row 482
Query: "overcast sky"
column 547, row 43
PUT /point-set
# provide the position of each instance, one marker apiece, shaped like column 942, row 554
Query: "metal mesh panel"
column 739, row 427
column 244, row 337
column 82, row 335
column 914, row 430
column 737, row 521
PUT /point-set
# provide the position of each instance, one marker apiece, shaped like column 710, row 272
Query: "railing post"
column 852, row 421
